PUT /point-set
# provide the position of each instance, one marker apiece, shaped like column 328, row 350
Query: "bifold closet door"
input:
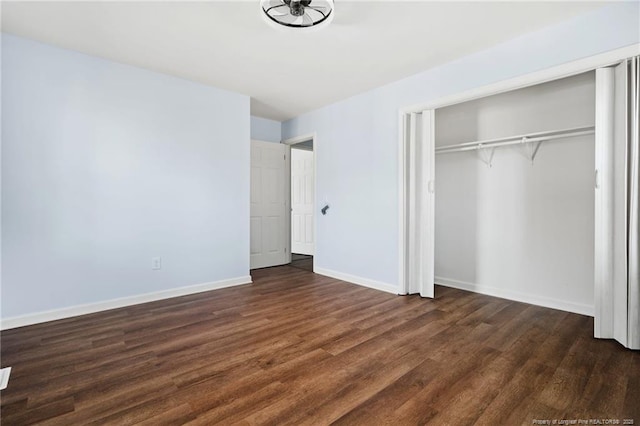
column 633, row 204
column 419, row 184
column 616, row 211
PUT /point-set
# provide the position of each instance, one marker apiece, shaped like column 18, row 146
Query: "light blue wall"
column 105, row 166
column 266, row 130
column 357, row 146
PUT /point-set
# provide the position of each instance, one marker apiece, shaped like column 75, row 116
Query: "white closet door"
column 420, row 175
column 633, row 200
column 428, row 207
column 414, row 234
column 620, row 294
column 302, row 201
column 611, row 284
column 268, row 205
column 603, row 262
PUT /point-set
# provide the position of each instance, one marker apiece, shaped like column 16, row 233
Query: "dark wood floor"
column 302, row 261
column 298, row 348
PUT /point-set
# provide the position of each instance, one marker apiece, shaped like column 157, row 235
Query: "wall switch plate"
column 156, row 263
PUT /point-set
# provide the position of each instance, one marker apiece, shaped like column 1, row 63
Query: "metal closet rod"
column 515, row 140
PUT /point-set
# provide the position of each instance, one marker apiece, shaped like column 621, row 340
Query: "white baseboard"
column 547, row 302
column 365, row 282
column 91, row 308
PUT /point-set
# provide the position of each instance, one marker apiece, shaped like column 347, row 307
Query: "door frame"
column 289, row 142
column 538, row 77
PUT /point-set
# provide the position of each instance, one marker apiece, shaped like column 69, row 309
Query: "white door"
column 427, row 187
column 268, row 205
column 615, row 307
column 419, row 167
column 301, row 201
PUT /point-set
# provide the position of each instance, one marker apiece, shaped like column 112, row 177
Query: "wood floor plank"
column 517, row 396
column 445, row 388
column 175, row 416
column 392, row 396
column 40, row 413
column 299, row 348
column 238, row 409
column 570, row 378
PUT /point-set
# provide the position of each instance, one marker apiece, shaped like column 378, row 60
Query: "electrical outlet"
column 4, row 377
column 156, row 263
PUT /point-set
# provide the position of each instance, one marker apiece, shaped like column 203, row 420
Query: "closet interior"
column 514, row 205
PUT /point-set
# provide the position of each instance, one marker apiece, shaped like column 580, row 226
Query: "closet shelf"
column 529, row 138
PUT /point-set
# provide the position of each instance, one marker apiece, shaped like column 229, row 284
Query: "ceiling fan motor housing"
column 298, row 13
column 297, row 6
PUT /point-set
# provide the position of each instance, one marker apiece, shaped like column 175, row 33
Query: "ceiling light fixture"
column 298, row 13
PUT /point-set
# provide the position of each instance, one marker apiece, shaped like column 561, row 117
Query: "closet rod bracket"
column 532, row 148
column 486, row 154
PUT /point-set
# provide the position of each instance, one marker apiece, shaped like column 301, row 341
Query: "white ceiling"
column 286, row 73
